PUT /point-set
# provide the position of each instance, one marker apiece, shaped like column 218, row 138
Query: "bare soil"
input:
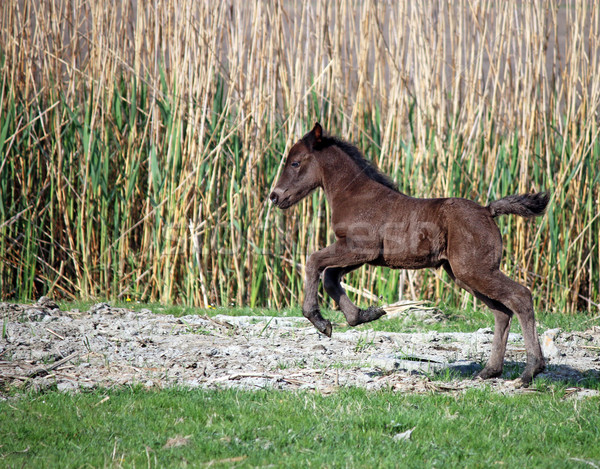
column 43, row 347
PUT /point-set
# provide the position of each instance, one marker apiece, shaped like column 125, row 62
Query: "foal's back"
column 418, row 233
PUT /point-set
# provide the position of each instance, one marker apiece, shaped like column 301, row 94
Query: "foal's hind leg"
column 517, row 299
column 521, row 303
column 354, row 315
column 502, row 318
column 493, row 367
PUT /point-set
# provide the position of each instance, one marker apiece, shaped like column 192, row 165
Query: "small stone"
column 417, row 367
column 549, row 348
column 319, row 348
column 65, row 386
column 34, row 314
column 98, row 307
column 47, row 303
column 384, row 362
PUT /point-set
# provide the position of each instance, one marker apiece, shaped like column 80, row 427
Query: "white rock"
column 549, row 348
column 65, row 386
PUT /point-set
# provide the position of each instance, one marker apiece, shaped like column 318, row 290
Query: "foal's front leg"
column 354, row 315
column 336, row 255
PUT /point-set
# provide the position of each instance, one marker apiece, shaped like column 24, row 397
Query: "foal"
column 376, row 224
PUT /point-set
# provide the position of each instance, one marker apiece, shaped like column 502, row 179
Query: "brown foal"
column 376, row 224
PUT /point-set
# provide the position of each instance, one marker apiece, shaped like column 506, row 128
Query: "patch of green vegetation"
column 567, row 322
column 350, row 428
column 472, row 319
column 512, row 370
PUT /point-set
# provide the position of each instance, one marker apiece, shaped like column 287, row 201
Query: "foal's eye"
column 295, row 164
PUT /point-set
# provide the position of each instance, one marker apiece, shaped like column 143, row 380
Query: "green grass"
column 350, row 428
column 132, row 427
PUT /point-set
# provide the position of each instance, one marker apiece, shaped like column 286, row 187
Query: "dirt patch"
column 42, row 346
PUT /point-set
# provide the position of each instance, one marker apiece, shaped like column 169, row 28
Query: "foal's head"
column 301, row 174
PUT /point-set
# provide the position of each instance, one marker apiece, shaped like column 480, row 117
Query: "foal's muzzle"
column 276, row 196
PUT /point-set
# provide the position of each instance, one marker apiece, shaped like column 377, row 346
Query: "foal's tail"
column 525, row 205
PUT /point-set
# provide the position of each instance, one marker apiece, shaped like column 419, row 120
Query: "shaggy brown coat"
column 376, row 224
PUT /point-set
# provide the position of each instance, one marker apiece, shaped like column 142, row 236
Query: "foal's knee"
column 521, row 302
column 311, row 269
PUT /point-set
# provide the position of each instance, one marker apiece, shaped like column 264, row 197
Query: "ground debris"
column 107, row 346
column 414, row 310
column 404, row 436
column 177, row 441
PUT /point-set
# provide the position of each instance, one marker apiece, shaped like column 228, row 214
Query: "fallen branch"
column 44, row 370
column 56, row 334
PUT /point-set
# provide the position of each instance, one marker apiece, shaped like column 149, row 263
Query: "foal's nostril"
column 274, row 198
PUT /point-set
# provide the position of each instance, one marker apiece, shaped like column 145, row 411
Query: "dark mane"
column 365, row 166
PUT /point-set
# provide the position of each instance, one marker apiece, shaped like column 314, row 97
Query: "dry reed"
column 139, row 143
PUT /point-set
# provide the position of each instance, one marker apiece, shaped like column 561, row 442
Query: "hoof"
column 524, row 380
column 326, row 329
column 321, row 324
column 371, row 314
column 520, row 383
column 530, row 372
column 488, row 373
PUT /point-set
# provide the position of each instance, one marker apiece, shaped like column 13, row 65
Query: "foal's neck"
column 342, row 178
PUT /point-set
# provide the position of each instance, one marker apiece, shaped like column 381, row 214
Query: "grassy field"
column 350, row 428
column 545, row 426
column 138, row 145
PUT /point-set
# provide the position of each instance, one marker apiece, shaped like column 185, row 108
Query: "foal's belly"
column 408, row 262
column 412, row 247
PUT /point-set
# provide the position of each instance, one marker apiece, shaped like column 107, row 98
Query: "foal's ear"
column 314, row 139
column 318, row 132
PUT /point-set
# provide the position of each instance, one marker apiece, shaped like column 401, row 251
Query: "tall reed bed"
column 139, row 140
